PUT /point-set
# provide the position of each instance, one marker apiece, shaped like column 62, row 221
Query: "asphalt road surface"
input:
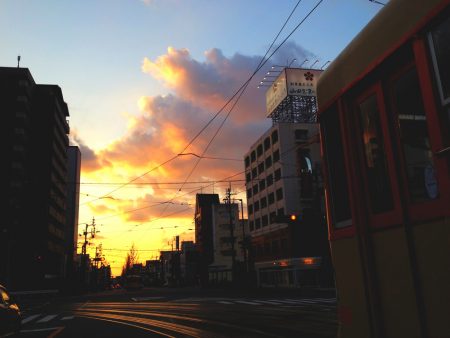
column 181, row 313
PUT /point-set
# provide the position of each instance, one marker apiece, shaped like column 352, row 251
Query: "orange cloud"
column 162, row 130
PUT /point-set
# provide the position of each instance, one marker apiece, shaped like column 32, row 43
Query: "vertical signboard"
column 276, row 93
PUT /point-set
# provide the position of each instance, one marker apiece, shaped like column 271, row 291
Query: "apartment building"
column 282, row 171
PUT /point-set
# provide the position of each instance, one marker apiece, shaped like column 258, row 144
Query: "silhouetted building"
column 204, row 232
column 226, row 245
column 73, row 196
column 188, row 263
column 16, row 92
column 34, row 175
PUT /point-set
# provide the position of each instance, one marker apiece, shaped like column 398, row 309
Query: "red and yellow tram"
column 384, row 107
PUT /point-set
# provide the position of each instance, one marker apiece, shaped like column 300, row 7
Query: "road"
column 181, row 313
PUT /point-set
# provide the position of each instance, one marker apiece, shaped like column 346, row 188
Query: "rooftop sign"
column 291, row 82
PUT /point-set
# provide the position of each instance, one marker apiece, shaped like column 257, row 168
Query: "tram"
column 384, row 112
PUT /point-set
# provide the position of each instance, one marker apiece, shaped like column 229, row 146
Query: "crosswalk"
column 41, row 318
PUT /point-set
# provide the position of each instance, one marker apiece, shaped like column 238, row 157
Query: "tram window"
column 378, row 182
column 440, row 46
column 408, row 104
column 334, row 154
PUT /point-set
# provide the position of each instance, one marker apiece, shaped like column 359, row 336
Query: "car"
column 10, row 316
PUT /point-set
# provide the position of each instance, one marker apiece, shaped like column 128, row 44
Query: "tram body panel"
column 396, row 289
column 352, row 311
column 391, row 256
column 432, row 242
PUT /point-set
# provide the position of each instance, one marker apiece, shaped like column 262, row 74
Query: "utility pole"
column 233, row 252
column 244, row 245
column 84, row 259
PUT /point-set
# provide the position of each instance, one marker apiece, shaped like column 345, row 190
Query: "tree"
column 131, row 259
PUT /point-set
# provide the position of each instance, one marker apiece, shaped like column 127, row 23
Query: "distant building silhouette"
column 204, row 232
column 33, row 178
column 73, row 197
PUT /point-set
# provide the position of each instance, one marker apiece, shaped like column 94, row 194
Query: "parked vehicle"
column 9, row 314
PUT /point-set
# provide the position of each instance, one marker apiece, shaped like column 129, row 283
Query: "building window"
column 280, row 212
column 268, row 162
column 269, row 180
column 251, row 225
column 271, row 198
column 264, row 221
column 261, row 168
column 266, row 143
column 255, row 189
column 247, row 161
column 301, row 135
column 275, row 137
column 253, row 156
column 276, row 156
column 256, row 205
column 262, row 185
column 248, row 177
column 250, row 209
column 279, row 194
column 263, row 202
column 257, row 223
column 272, row 217
column 249, row 193
column 254, row 173
column 259, row 150
column 277, row 174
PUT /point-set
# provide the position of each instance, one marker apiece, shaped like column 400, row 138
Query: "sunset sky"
column 143, row 77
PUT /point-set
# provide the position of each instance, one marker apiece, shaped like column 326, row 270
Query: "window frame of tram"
column 439, row 50
column 377, row 159
column 404, row 96
column 338, row 189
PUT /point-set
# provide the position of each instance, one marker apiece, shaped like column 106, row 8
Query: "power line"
column 239, row 94
column 261, row 64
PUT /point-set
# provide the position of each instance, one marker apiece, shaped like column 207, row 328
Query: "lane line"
column 47, row 319
column 268, row 302
column 30, row 318
column 141, row 299
column 225, row 302
column 246, row 302
column 68, row 318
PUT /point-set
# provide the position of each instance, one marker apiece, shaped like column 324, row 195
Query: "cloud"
column 168, row 123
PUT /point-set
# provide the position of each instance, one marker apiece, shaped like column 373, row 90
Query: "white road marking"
column 47, row 319
column 30, row 318
column 68, row 318
column 268, row 302
column 249, row 303
column 142, row 299
column 225, row 302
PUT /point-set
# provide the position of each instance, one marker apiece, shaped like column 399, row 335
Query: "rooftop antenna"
column 18, row 61
column 325, row 64
column 311, row 67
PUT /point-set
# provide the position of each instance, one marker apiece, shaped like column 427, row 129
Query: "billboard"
column 291, row 82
